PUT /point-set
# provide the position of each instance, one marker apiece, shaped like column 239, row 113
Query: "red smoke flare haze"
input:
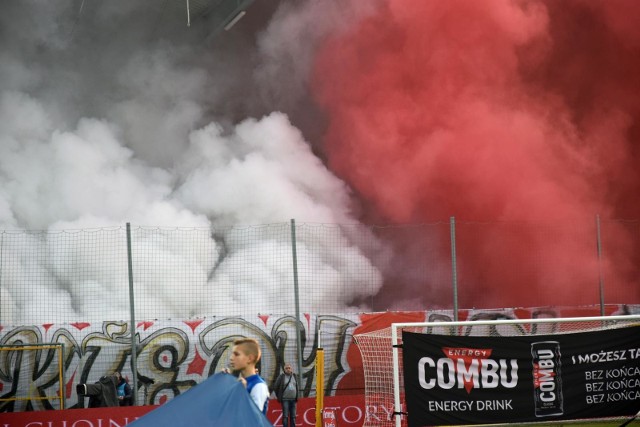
column 513, row 113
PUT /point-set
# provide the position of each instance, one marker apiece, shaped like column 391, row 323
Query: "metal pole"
column 132, row 307
column 600, row 272
column 297, row 300
column 397, row 406
column 454, row 267
column 319, row 385
column 1, row 259
column 61, row 373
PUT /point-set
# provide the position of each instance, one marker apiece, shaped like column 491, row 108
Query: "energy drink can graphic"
column 547, row 378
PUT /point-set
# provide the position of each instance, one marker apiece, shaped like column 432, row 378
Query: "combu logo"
column 547, row 381
column 469, row 368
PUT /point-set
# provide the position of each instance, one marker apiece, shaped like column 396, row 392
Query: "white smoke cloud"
column 264, row 172
column 111, row 113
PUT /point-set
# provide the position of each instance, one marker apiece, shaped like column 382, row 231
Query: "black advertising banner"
column 481, row 380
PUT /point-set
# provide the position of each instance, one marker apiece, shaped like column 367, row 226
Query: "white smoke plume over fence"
column 117, row 112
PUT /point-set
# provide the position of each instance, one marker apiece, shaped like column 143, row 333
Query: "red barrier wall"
column 350, row 412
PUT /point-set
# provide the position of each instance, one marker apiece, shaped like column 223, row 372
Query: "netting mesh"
column 83, row 275
column 376, row 349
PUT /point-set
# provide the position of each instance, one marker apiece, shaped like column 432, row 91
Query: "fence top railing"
column 626, row 317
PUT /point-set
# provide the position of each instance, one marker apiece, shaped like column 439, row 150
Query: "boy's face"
column 239, row 359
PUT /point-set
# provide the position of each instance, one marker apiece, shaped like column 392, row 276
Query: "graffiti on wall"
column 172, row 356
column 175, row 355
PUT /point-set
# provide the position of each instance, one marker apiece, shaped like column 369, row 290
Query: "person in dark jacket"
column 101, row 394
column 286, row 390
column 124, row 390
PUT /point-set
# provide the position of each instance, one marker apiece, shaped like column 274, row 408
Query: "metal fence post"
column 454, row 267
column 134, row 353
column 297, row 298
column 1, row 259
column 600, row 272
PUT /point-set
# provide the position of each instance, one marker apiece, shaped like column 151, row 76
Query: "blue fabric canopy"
column 219, row 401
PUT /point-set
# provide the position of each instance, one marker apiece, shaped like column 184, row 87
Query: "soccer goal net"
column 35, row 374
column 382, row 352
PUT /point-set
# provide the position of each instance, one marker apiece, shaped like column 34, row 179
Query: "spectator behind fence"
column 124, row 391
column 101, row 394
column 286, row 390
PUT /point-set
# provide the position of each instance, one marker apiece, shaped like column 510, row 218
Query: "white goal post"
column 381, row 351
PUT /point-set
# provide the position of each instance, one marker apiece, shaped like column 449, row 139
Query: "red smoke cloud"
column 497, row 111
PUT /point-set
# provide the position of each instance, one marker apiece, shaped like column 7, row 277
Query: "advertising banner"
column 480, row 380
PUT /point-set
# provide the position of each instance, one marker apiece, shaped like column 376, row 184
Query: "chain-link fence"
column 167, row 303
column 126, row 272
